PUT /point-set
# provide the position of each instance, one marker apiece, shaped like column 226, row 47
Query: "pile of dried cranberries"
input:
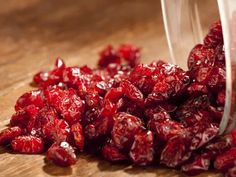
column 126, row 111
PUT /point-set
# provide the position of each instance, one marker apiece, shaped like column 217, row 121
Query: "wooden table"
column 34, row 32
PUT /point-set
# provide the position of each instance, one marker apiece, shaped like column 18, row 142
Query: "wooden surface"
column 34, row 32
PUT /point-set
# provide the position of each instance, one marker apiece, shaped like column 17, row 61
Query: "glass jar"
column 186, row 23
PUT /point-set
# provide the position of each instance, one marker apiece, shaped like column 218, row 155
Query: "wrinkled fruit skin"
column 8, row 134
column 61, row 154
column 28, row 145
column 143, row 114
column 124, row 129
column 142, row 150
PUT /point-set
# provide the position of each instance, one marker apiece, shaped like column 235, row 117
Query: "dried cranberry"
column 61, row 154
column 200, row 56
column 165, row 129
column 202, row 133
column 108, row 55
column 100, row 127
column 78, row 135
column 112, row 153
column 198, row 165
column 197, row 89
column 130, row 53
column 8, row 134
column 124, row 129
column 28, row 144
column 132, row 92
column 56, row 131
column 30, row 98
column 226, row 160
column 176, row 151
column 142, row 150
column 214, row 36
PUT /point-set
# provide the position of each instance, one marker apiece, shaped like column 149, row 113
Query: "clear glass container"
column 186, row 23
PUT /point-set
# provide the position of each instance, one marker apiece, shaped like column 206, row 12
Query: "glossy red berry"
column 28, row 145
column 61, row 154
column 8, row 134
column 142, row 150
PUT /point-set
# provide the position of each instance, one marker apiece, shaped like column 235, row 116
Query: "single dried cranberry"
column 198, row 165
column 132, row 92
column 214, row 36
column 130, row 53
column 124, row 129
column 216, row 79
column 226, row 160
column 202, row 133
column 176, row 151
column 56, row 131
column 100, row 127
column 143, row 78
column 78, row 135
column 71, row 75
column 108, row 55
column 25, row 117
column 142, row 150
column 112, row 153
column 8, row 134
column 200, row 56
column 71, row 107
column 92, row 100
column 171, row 81
column 47, row 114
column 30, row 98
column 45, row 79
column 61, row 154
column 165, row 129
column 28, row 144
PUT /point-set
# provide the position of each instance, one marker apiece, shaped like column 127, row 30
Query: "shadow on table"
column 54, row 170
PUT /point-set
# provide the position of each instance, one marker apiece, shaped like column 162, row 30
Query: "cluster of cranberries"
column 126, row 111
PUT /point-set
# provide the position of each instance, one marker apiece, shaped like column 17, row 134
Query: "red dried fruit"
column 202, row 133
column 30, row 98
column 8, row 134
column 112, row 153
column 200, row 56
column 56, row 131
column 226, row 160
column 92, row 100
column 100, row 127
column 61, row 154
column 198, row 165
column 165, row 129
column 214, row 36
column 124, row 129
column 47, row 114
column 71, row 107
column 171, row 81
column 108, row 55
column 130, row 53
column 28, row 144
column 78, row 135
column 142, row 150
column 45, row 79
column 157, row 115
column 176, row 151
column 132, row 92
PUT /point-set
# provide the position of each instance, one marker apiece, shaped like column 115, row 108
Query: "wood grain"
column 34, row 32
